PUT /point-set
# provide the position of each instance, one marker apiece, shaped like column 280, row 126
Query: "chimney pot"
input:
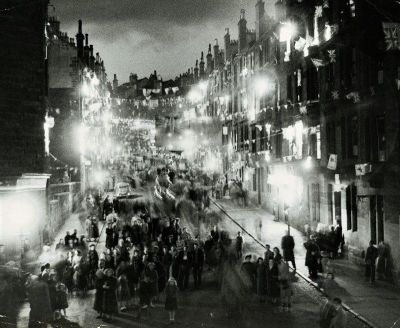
column 80, row 26
column 87, row 39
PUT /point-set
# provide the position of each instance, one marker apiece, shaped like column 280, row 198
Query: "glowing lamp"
column 262, row 86
column 308, row 163
column 287, row 32
column 268, row 156
column 203, row 85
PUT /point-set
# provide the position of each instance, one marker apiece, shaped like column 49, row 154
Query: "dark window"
column 331, row 135
column 380, row 128
column 253, row 139
column 330, row 203
column 289, row 88
column 351, row 208
column 343, row 137
column 354, row 136
column 367, row 134
column 312, row 83
column 254, row 182
column 348, row 207
column 315, row 202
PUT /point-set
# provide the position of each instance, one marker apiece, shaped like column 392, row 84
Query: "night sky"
column 143, row 35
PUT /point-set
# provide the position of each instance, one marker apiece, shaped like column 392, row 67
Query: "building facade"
column 23, row 87
column 309, row 102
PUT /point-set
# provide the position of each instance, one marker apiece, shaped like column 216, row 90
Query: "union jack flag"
column 392, row 35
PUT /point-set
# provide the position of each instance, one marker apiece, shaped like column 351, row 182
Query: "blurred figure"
column 171, row 298
column 287, row 245
column 370, row 260
column 239, row 246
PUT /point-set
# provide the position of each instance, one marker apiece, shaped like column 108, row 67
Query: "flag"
column 363, row 169
column 332, row 55
column 332, row 163
column 318, row 62
column 392, row 35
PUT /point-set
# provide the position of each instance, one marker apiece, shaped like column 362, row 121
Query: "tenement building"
column 23, row 87
column 309, row 102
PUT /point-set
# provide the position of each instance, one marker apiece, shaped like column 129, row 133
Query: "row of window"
column 348, row 135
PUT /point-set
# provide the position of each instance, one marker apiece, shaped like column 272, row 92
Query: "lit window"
column 352, row 6
column 318, row 142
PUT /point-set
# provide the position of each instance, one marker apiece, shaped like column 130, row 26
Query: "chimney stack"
column 227, row 40
column 210, row 62
column 79, row 40
column 242, row 31
column 202, row 71
column 260, row 19
column 216, row 54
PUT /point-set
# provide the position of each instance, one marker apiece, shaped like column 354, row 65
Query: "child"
column 171, row 302
column 61, row 298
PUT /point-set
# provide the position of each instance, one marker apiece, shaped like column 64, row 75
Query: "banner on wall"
column 332, row 163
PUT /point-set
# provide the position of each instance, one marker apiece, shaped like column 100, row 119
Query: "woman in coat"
column 110, row 304
column 261, row 276
column 171, row 298
column 98, row 299
column 285, row 285
column 109, row 236
column 274, row 274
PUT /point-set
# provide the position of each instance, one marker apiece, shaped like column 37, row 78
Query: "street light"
column 287, row 31
column 262, row 85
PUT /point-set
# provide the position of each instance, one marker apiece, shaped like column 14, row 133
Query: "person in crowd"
column 285, row 281
column 248, row 270
column 382, row 263
column 312, row 257
column 288, row 245
column 171, row 298
column 326, row 314
column 185, row 263
column 261, row 274
column 197, row 264
column 60, row 245
column 109, row 236
column 51, row 282
column 268, row 254
column 98, row 299
column 110, row 304
column 93, row 263
column 145, row 292
column 274, row 292
column 61, row 298
column 151, row 272
column 39, row 300
column 166, row 260
column 239, row 246
column 107, row 206
column 370, row 260
column 67, row 238
column 123, row 292
column 340, row 318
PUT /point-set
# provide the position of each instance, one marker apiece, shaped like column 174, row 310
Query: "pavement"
column 378, row 303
